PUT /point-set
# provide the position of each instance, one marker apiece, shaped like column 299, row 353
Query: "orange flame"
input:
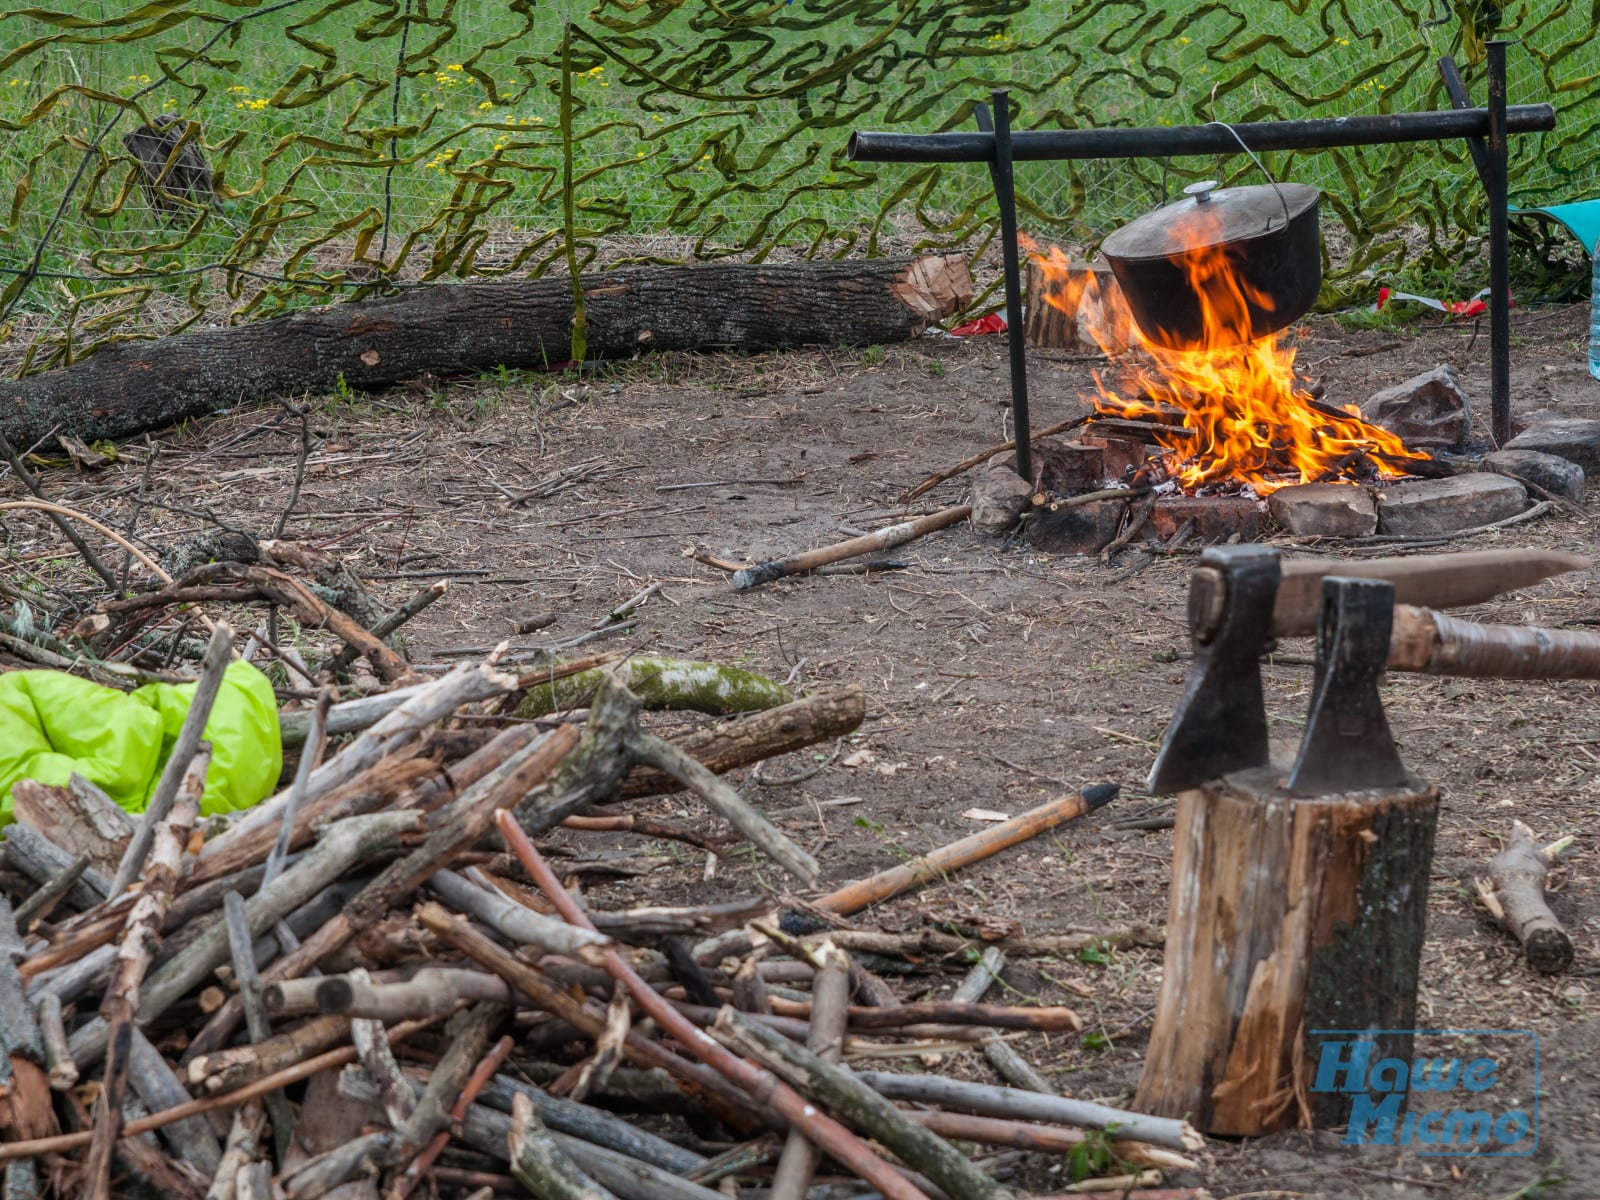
column 1246, row 416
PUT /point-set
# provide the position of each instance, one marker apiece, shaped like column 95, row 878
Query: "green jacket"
column 52, row 724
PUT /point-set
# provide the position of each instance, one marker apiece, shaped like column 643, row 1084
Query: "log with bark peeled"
column 1513, row 892
column 465, row 329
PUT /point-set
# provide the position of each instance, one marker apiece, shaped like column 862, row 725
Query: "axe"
column 1241, row 597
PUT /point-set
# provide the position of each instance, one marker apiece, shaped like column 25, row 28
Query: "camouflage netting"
column 222, row 160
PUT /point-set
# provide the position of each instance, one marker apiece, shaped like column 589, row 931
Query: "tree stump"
column 1287, row 916
column 1075, row 306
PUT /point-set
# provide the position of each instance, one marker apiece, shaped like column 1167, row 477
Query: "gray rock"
column 1427, row 410
column 1428, row 506
column 1576, row 439
column 1324, row 510
column 1559, row 476
column 999, row 497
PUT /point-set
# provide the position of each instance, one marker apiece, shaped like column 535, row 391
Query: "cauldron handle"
column 1259, row 163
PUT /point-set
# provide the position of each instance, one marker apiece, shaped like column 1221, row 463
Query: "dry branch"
column 1513, row 892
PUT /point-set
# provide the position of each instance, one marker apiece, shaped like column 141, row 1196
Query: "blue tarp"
column 1582, row 217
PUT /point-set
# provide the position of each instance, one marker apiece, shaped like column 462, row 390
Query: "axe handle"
column 1436, row 644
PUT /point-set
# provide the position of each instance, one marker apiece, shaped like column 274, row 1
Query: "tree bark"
column 1287, row 915
column 456, row 329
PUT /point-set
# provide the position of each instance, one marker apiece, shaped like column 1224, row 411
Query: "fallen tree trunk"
column 468, row 328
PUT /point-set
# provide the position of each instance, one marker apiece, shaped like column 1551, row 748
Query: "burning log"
column 1513, row 892
column 1322, row 903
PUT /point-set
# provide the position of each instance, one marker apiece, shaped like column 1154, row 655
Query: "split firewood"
column 1513, row 892
column 79, row 815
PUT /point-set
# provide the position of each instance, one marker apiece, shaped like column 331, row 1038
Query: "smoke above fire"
column 1247, row 417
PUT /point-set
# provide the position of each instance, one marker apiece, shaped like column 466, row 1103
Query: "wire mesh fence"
column 183, row 161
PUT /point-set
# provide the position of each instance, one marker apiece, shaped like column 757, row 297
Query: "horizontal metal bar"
column 1171, row 142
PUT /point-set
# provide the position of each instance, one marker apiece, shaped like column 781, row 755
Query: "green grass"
column 301, row 110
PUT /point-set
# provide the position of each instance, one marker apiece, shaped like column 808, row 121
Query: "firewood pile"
column 385, row 980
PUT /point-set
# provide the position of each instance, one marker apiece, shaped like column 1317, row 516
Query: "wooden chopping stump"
column 1287, row 915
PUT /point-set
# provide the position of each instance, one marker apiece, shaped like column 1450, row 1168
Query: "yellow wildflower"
column 485, row 105
column 453, row 67
column 239, row 89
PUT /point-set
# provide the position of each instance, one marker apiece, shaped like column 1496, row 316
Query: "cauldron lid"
column 1207, row 217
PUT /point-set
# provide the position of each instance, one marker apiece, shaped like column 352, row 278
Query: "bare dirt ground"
column 997, row 677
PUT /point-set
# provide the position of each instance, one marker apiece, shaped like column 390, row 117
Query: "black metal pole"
column 1033, row 145
column 1499, row 254
column 1460, row 99
column 1005, row 193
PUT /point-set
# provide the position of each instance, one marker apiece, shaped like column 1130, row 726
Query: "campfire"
column 1230, row 412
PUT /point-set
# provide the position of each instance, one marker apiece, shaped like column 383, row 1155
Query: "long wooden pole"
column 853, row 897
column 883, row 539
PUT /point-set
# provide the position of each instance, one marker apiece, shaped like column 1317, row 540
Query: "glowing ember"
column 1247, row 418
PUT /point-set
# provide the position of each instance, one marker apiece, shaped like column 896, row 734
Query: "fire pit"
column 1198, row 432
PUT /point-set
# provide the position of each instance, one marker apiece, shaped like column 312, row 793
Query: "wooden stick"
column 422, row 707
column 540, row 1165
column 983, row 1100
column 923, row 943
column 840, row 1091
column 883, row 539
column 25, row 1099
column 1044, row 1139
column 829, row 1011
column 57, row 1058
column 343, row 660
column 757, row 736
column 342, row 845
column 242, row 948
column 1001, row 1056
column 946, row 1012
column 553, row 999
column 228, row 1070
column 726, row 803
column 165, row 844
column 864, row 892
column 983, row 456
column 831, row 1137
column 378, row 1060
column 240, row 1149
column 219, row 650
column 1513, row 892
column 463, row 824
column 39, row 905
column 517, row 921
column 430, row 992
column 41, row 860
column 193, row 1140
column 481, row 1074
column 310, row 759
column 64, row 1142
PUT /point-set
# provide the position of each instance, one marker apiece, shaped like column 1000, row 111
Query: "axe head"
column 1221, row 722
column 1347, row 746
